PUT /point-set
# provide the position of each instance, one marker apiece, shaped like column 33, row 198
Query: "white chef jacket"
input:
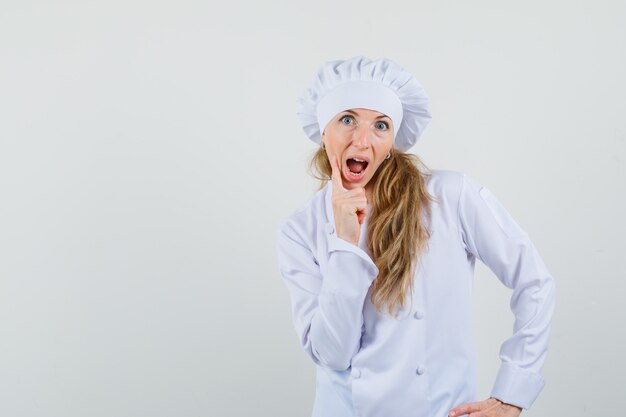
column 423, row 363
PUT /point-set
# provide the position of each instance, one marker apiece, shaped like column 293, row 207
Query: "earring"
column 388, row 155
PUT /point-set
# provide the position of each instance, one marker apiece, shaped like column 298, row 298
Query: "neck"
column 368, row 193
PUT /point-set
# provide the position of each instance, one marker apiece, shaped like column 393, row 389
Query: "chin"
column 354, row 184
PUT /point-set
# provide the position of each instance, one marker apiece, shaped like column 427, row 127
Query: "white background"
column 148, row 150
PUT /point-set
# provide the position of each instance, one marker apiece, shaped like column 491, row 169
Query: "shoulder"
column 445, row 176
column 451, row 182
column 445, row 183
column 306, row 218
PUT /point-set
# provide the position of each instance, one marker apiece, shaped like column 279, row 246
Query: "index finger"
column 464, row 409
column 336, row 175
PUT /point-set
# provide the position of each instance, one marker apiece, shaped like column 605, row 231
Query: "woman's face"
column 361, row 139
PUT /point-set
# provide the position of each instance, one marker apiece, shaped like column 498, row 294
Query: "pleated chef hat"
column 360, row 82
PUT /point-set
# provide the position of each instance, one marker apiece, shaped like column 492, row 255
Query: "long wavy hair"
column 396, row 233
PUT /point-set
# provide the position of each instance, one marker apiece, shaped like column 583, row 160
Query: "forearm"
column 335, row 331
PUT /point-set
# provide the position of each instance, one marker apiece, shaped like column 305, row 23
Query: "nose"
column 361, row 137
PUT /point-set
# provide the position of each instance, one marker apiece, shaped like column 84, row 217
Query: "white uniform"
column 423, row 364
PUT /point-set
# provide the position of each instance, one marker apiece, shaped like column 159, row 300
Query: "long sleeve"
column 327, row 302
column 490, row 233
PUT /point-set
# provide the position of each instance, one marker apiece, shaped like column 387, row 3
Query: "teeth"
column 358, row 160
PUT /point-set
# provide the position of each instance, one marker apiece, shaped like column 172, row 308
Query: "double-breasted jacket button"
column 356, row 373
column 330, row 229
column 420, row 369
column 419, row 314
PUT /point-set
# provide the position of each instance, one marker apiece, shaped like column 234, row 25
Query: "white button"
column 356, row 373
column 419, row 314
column 330, row 229
column 421, row 369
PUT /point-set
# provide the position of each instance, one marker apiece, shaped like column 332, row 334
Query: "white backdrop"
column 148, row 150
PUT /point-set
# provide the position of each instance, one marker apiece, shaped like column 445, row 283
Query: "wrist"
column 509, row 405
column 350, row 239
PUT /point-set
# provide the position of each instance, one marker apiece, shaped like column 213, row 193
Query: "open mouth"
column 356, row 167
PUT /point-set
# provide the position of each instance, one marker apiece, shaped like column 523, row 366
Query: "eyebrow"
column 356, row 114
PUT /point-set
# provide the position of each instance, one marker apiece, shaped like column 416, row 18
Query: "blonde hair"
column 396, row 234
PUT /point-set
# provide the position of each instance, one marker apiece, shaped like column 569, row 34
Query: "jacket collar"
column 328, row 200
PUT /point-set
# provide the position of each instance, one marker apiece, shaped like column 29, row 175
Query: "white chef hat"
column 360, row 82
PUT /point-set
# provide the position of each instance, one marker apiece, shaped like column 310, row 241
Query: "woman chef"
column 379, row 262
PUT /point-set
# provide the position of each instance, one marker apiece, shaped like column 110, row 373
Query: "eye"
column 346, row 120
column 382, row 125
